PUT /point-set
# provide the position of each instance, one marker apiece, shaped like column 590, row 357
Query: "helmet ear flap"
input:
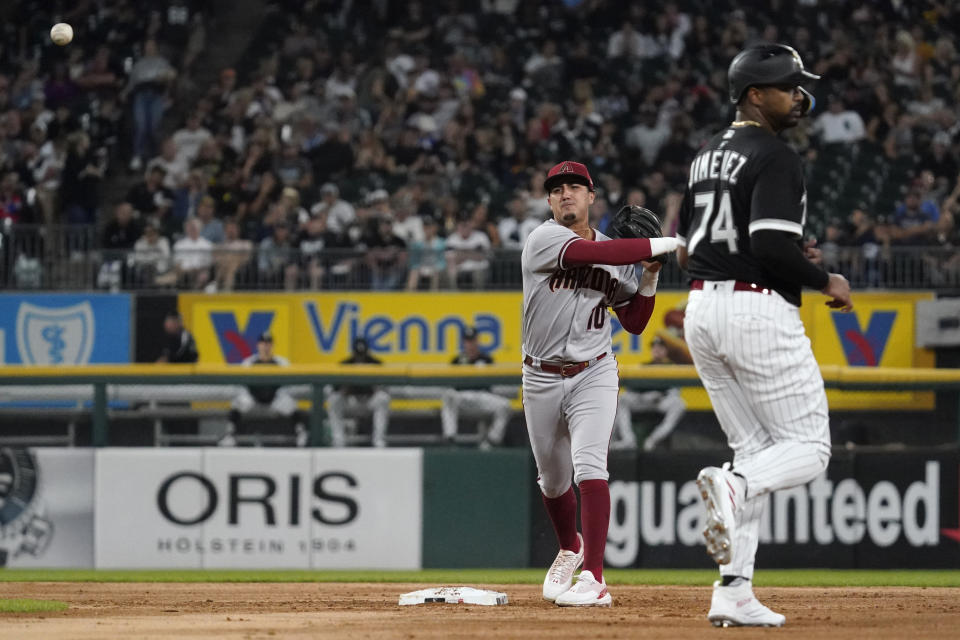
column 809, row 102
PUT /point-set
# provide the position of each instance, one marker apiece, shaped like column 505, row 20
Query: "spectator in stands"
column 480, row 219
column 83, row 173
column 211, row 227
column 601, row 215
column 150, row 260
column 386, row 256
column 349, row 402
column 47, row 168
column 13, row 203
column 119, row 236
column 313, row 244
column 175, row 166
column 428, row 261
column 339, row 213
column 189, row 138
column 517, row 225
column 148, row 84
column 231, row 256
column 915, row 220
column 545, row 69
column 839, row 124
column 276, row 261
column 475, row 403
column 192, row 257
column 866, row 239
column 292, row 169
column 100, row 74
column 675, row 155
column 468, row 255
column 188, row 196
column 123, row 230
column 271, row 396
column 178, row 344
column 224, row 92
column 295, row 214
column 407, row 225
column 151, row 198
column 626, row 43
column 941, row 160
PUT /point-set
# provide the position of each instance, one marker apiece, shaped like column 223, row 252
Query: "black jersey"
column 744, row 180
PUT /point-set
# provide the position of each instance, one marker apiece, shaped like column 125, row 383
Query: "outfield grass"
column 768, row 578
column 24, row 605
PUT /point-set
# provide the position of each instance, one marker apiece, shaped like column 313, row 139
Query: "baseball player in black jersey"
column 741, row 231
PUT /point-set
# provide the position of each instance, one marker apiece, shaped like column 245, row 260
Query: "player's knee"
column 823, row 456
column 553, row 489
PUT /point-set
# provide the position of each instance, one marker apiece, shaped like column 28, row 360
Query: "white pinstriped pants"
column 755, row 361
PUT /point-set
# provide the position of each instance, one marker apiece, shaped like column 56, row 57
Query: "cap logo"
column 565, row 168
column 796, row 56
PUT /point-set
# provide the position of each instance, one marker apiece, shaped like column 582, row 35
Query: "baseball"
column 61, row 33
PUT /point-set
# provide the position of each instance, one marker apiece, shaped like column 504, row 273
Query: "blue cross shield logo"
column 55, row 335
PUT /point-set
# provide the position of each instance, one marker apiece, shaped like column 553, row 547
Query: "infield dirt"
column 338, row 610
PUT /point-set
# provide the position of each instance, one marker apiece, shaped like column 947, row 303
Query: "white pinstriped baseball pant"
column 755, row 361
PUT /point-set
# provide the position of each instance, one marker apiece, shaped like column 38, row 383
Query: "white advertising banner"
column 259, row 508
column 46, row 508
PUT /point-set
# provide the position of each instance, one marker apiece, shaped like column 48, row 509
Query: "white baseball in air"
column 61, row 33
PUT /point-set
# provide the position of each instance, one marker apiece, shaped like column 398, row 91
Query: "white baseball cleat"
column 722, row 493
column 560, row 575
column 736, row 606
column 586, row 593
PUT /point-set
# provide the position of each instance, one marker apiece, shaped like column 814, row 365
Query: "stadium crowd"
column 393, row 145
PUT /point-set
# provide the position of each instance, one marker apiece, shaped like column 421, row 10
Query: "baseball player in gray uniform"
column 742, row 222
column 571, row 274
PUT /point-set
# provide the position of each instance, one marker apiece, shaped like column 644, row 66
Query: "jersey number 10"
column 723, row 229
column 598, row 316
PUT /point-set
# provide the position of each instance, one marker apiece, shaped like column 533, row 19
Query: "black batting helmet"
column 768, row 64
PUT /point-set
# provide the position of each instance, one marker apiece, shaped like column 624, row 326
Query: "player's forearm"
column 636, row 314
column 615, row 252
column 784, row 259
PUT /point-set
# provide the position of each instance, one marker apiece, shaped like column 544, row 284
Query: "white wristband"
column 648, row 282
column 663, row 245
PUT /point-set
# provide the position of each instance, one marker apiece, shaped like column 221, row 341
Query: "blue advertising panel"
column 64, row 329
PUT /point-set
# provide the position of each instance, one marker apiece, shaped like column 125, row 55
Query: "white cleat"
column 586, row 593
column 560, row 575
column 736, row 606
column 722, row 493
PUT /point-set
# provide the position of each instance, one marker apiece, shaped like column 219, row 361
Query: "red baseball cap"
column 568, row 171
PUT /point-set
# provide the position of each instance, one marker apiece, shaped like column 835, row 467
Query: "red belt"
column 737, row 286
column 565, row 369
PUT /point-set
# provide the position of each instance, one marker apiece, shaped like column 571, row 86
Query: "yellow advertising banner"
column 425, row 328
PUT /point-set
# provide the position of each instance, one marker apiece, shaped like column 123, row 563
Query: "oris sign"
column 213, row 508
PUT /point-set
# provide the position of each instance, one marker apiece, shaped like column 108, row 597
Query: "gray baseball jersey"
column 569, row 420
column 565, row 309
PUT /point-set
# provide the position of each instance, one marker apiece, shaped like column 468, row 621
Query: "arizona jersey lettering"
column 565, row 309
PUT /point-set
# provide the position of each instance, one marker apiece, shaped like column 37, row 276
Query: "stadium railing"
column 149, row 383
column 63, row 257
